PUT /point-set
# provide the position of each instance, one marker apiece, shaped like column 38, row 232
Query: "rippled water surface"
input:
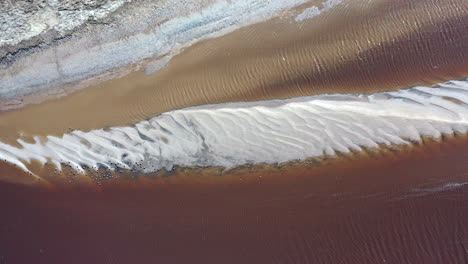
column 247, row 131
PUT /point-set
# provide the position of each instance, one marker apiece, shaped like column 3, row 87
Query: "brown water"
column 383, row 207
column 389, row 205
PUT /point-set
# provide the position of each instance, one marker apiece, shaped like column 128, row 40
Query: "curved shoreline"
column 236, row 134
column 166, row 33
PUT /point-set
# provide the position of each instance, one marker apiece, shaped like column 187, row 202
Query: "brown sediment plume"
column 408, row 207
column 357, row 47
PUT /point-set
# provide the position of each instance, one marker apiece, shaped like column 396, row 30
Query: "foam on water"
column 274, row 131
column 314, row 11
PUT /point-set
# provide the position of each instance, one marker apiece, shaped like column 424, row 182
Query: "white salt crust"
column 274, row 131
column 21, row 21
column 176, row 24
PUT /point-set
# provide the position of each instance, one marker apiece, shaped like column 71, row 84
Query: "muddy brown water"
column 389, row 207
column 403, row 205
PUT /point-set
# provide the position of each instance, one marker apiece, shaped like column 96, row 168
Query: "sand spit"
column 234, row 134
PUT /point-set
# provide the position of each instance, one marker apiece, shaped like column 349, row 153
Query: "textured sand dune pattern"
column 274, row 131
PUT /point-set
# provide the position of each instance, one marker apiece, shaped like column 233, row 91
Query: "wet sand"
column 385, row 207
column 360, row 47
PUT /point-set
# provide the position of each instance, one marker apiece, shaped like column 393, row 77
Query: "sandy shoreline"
column 110, row 40
column 326, row 54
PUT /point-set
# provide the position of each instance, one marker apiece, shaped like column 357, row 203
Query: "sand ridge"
column 273, row 132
